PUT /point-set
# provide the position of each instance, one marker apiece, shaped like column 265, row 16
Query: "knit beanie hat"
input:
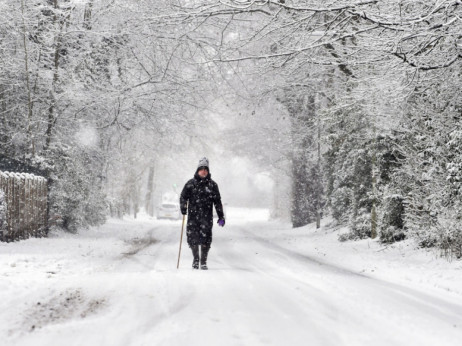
column 203, row 163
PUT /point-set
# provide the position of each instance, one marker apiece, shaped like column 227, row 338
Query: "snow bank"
column 401, row 262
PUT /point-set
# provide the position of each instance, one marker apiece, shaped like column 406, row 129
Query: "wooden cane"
column 181, row 241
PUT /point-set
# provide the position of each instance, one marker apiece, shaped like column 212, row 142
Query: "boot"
column 204, row 253
column 195, row 251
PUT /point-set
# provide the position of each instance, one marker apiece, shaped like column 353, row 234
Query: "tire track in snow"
column 454, row 310
column 420, row 310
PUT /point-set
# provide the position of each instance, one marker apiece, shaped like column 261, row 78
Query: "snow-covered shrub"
column 392, row 188
column 432, row 142
column 76, row 197
column 307, row 195
column 350, row 187
column 340, row 202
column 360, row 226
column 450, row 239
column 392, row 234
column 349, row 195
column 352, row 184
column 392, row 221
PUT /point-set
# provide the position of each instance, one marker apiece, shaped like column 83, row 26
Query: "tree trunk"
column 300, row 213
column 148, row 201
column 306, row 180
column 374, row 188
column 87, row 15
column 318, row 198
column 28, row 87
column 51, row 109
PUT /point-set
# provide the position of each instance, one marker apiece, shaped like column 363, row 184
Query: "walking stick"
column 181, row 241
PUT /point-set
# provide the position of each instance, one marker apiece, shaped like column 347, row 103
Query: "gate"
column 23, row 206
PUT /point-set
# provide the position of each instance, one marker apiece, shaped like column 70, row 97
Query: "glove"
column 221, row 222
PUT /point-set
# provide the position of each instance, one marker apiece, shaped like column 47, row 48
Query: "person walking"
column 197, row 199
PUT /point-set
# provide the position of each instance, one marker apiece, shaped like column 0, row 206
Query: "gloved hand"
column 221, row 222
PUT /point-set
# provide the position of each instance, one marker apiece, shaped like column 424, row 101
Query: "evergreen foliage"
column 307, row 185
column 76, row 198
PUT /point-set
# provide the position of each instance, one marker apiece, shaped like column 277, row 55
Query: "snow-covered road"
column 121, row 287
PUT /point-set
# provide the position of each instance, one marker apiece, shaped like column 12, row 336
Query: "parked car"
column 169, row 211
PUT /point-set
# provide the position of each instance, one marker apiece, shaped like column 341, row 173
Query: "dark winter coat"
column 198, row 197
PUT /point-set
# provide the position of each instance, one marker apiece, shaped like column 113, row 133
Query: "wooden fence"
column 25, row 198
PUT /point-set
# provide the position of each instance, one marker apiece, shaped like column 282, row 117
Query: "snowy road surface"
column 120, row 286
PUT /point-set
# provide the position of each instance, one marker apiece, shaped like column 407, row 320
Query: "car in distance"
column 169, row 211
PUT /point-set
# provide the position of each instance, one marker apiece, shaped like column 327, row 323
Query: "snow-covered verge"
column 267, row 284
column 403, row 262
column 60, row 280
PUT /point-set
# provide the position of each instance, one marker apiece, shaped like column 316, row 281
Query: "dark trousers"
column 203, row 255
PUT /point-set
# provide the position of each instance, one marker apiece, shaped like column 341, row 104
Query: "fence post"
column 4, row 191
column 34, row 213
column 10, row 205
column 28, row 206
column 16, row 205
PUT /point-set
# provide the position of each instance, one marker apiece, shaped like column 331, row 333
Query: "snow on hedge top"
column 22, row 176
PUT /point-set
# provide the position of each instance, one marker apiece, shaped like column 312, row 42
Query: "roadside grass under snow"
column 401, row 262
